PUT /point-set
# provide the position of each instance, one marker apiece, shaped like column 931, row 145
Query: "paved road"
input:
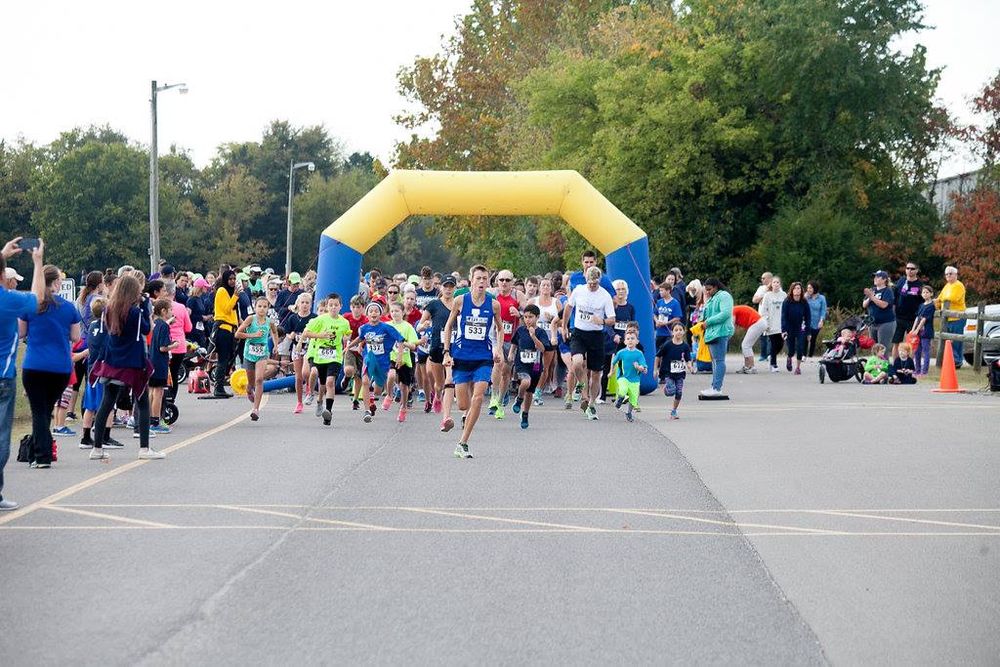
column 284, row 542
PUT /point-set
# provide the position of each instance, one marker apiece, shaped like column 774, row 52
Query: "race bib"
column 475, row 328
column 677, row 367
column 326, row 354
column 621, row 326
column 377, row 346
column 529, row 356
column 508, row 327
column 200, row 326
column 545, row 325
column 257, row 349
column 583, row 316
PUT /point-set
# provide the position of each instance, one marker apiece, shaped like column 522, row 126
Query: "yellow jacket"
column 698, row 333
column 955, row 293
column 225, row 307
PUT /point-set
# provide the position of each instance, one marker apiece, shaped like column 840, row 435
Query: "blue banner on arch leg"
column 631, row 264
column 338, row 270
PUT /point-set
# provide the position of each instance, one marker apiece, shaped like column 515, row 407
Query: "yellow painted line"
column 424, row 510
column 110, row 517
column 724, row 523
column 97, row 479
column 299, row 517
column 906, row 520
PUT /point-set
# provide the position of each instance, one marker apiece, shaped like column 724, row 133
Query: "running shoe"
column 368, row 418
column 437, row 404
column 387, row 402
column 111, row 443
column 421, row 396
column 557, row 393
column 402, row 415
column 63, row 431
column 506, row 399
column 447, row 425
column 36, row 464
column 71, row 417
column 298, row 409
column 798, row 371
column 86, row 443
column 254, row 416
column 774, row 369
column 600, row 401
column 98, row 454
column 131, row 422
column 673, row 415
column 500, row 414
column 462, row 451
column 428, row 406
column 517, row 406
column 524, row 420
column 150, row 454
column 159, row 429
column 577, row 393
column 592, row 413
column 629, row 417
column 537, row 400
column 396, row 395
column 152, row 433
column 310, row 397
column 569, row 403
column 637, row 408
column 355, row 404
column 371, row 407
column 618, row 403
column 493, row 409
column 788, row 364
column 327, row 416
column 319, row 408
column 710, row 392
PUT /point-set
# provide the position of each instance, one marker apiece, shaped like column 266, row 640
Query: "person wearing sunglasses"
column 908, row 302
column 510, row 301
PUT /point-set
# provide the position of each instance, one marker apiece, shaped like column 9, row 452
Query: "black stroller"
column 840, row 362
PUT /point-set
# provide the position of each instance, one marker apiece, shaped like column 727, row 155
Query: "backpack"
column 24, row 449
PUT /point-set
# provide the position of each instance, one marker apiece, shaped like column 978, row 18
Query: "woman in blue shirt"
column 817, row 314
column 881, row 305
column 48, row 361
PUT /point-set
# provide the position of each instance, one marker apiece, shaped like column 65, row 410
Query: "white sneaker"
column 774, row 369
column 319, row 408
column 98, row 454
column 151, row 454
column 599, row 401
column 710, row 392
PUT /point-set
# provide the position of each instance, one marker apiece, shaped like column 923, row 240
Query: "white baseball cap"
column 11, row 273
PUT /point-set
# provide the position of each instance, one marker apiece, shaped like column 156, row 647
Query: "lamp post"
column 154, row 176
column 292, row 166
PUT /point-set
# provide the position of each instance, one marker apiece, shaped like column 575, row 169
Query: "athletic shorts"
column 562, row 344
column 591, row 345
column 531, row 377
column 466, row 371
column 898, row 336
column 437, row 355
column 422, row 356
column 628, row 390
column 66, row 398
column 377, row 373
column 352, row 360
column 404, row 375
column 93, row 394
column 157, row 383
column 325, row 371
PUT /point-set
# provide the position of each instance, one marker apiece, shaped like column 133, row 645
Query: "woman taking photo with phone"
column 227, row 294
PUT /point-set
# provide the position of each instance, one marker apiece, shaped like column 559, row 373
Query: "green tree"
column 92, row 205
column 18, row 163
column 232, row 204
column 325, row 200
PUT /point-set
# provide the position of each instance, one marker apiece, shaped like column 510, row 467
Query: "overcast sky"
column 66, row 64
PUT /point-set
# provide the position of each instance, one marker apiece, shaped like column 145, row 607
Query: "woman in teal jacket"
column 718, row 319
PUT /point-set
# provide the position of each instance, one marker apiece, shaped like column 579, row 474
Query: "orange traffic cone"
column 949, row 382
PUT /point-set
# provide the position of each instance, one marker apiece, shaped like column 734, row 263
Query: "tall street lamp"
column 292, row 166
column 154, row 177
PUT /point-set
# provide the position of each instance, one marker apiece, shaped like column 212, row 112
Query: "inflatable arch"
column 556, row 193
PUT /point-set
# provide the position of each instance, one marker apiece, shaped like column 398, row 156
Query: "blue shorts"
column 465, row 371
column 563, row 345
column 378, row 373
column 92, row 395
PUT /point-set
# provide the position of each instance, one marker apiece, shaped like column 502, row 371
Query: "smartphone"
column 27, row 245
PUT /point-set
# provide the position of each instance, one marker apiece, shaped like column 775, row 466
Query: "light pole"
column 154, row 177
column 292, row 166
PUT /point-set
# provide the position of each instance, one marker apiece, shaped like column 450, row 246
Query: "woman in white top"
column 549, row 306
column 770, row 310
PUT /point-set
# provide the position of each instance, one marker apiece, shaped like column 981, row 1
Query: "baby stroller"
column 859, row 324
column 840, row 361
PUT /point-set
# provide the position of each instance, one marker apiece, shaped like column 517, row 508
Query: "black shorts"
column 531, row 376
column 591, row 345
column 156, row 383
column 437, row 355
column 422, row 356
column 404, row 375
column 902, row 328
column 80, row 367
column 328, row 370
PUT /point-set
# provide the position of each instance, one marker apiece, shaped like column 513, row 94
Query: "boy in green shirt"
column 329, row 331
column 401, row 371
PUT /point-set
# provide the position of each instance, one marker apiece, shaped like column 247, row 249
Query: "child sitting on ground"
column 877, row 366
column 904, row 369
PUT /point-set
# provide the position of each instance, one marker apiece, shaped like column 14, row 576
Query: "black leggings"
column 176, row 361
column 224, row 350
column 140, row 410
column 777, row 342
column 43, row 389
column 605, row 372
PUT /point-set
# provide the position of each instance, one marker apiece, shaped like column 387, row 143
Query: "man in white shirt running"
column 593, row 308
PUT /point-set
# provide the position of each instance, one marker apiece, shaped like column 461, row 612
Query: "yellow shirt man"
column 953, row 293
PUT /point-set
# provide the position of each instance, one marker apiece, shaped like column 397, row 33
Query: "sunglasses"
column 504, row 280
column 393, row 291
column 911, row 268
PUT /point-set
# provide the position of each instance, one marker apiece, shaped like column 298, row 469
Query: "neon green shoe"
column 499, row 414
